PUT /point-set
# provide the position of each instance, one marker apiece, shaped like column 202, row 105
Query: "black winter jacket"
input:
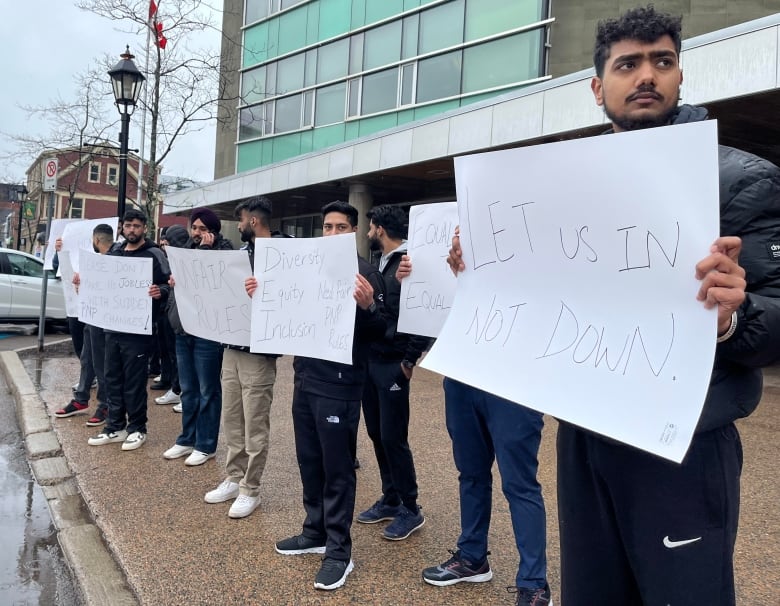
column 342, row 381
column 750, row 209
column 160, row 269
column 396, row 346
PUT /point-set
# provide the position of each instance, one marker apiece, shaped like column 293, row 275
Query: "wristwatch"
column 371, row 308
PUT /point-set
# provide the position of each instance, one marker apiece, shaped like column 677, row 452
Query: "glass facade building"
column 316, row 73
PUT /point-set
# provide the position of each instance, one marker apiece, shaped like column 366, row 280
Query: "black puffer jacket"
column 750, row 209
column 342, row 381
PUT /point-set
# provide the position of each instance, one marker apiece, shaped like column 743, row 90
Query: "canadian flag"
column 160, row 40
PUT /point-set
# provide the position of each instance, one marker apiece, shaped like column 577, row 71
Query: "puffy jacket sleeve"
column 750, row 208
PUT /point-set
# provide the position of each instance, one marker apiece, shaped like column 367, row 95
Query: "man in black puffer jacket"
column 636, row 529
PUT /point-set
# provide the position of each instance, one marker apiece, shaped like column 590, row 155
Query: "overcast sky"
column 47, row 42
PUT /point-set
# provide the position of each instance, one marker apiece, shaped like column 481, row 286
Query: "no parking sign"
column 50, row 169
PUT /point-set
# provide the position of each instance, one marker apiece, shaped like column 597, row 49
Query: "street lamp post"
column 126, row 81
column 21, row 197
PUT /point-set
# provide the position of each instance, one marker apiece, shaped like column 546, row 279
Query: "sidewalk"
column 176, row 549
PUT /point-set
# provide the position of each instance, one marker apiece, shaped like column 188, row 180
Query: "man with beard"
column 634, row 528
column 247, row 391
column 126, row 354
column 198, row 361
column 386, row 394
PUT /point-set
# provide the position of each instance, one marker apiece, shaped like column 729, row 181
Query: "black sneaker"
column 457, row 570
column 299, row 545
column 73, row 408
column 532, row 597
column 378, row 512
column 405, row 523
column 99, row 418
column 332, row 574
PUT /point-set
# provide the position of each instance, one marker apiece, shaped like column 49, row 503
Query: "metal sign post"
column 50, row 170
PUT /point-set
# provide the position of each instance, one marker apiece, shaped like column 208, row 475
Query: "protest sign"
column 77, row 235
column 303, row 304
column 210, row 294
column 579, row 295
column 114, row 292
column 57, row 227
column 427, row 294
column 68, row 288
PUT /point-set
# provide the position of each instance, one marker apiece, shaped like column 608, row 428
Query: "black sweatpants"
column 126, row 368
column 325, row 440
column 386, row 414
column 638, row 530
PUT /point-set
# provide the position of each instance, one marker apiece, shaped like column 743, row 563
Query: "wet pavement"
column 32, row 568
column 175, row 549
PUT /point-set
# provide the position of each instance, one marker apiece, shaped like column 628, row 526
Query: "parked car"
column 21, row 275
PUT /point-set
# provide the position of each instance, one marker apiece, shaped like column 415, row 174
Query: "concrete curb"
column 94, row 568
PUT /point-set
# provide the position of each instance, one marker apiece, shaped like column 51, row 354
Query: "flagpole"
column 143, row 121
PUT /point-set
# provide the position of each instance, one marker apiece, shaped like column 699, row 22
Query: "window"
column 441, row 27
column 439, row 77
column 24, row 266
column 111, row 177
column 333, row 60
column 94, row 172
column 76, row 209
column 407, row 84
column 382, row 45
column 356, row 54
column 495, row 16
column 288, row 114
column 289, row 74
column 255, row 10
column 482, row 71
column 253, row 85
column 330, row 104
column 380, row 91
column 411, row 32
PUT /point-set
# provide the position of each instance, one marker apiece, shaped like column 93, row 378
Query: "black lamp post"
column 126, row 81
column 21, row 197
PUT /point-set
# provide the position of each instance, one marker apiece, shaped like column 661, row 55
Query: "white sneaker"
column 176, row 451
column 243, row 506
column 108, row 437
column 157, row 379
column 176, row 407
column 224, row 492
column 134, row 440
column 198, row 458
column 170, row 397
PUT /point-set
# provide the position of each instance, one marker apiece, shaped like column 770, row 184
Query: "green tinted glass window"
column 255, row 9
column 376, row 10
column 333, row 60
column 488, row 17
column 288, row 114
column 439, row 77
column 329, row 108
column 380, row 91
column 290, row 74
column 251, row 123
column 382, row 45
column 501, row 62
column 292, row 30
column 411, row 27
column 335, row 18
column 253, row 86
column 441, row 26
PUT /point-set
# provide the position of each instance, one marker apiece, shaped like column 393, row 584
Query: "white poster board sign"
column 303, row 304
column 114, row 292
column 210, row 294
column 579, row 297
column 78, row 235
column 57, row 227
column 68, row 288
column 427, row 294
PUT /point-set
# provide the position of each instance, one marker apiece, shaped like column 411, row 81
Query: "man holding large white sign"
column 326, row 397
column 127, row 325
column 663, row 532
